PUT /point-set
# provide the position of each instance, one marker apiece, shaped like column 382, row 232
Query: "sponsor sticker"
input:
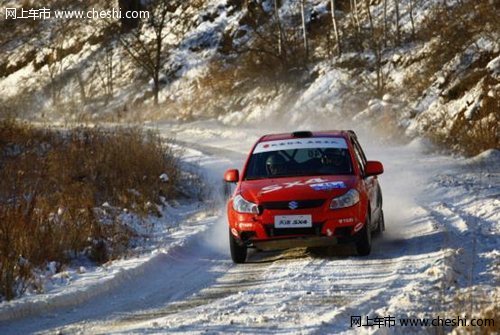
column 276, row 187
column 346, row 220
column 309, row 143
column 328, row 186
column 246, row 225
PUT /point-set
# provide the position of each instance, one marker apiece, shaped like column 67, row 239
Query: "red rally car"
column 305, row 189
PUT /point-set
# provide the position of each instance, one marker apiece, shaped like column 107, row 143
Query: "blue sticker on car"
column 328, row 186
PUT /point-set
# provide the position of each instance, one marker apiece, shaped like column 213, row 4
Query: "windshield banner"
column 302, row 143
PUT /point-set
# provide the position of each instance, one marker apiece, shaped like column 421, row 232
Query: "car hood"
column 295, row 188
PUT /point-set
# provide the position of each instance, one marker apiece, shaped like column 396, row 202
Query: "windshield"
column 302, row 157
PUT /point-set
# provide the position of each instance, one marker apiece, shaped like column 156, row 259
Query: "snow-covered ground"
column 440, row 252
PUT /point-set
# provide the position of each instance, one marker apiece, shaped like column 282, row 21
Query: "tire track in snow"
column 394, row 270
column 469, row 236
column 305, row 304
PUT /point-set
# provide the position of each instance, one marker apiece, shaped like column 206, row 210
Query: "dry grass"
column 52, row 183
column 480, row 305
column 492, row 313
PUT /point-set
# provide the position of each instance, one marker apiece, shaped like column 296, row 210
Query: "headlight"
column 348, row 199
column 244, row 206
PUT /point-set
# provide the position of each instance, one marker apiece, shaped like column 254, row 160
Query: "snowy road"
column 442, row 240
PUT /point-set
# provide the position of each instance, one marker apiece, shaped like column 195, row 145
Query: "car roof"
column 307, row 134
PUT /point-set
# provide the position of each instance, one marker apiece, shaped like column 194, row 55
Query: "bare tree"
column 109, row 71
column 276, row 43
column 280, row 28
column 335, row 29
column 82, row 87
column 54, row 70
column 412, row 21
column 356, row 14
column 385, row 23
column 377, row 87
column 54, row 57
column 372, row 31
column 304, row 31
column 376, row 42
column 356, row 24
column 151, row 54
column 398, row 31
column 129, row 5
column 381, row 77
column 105, row 72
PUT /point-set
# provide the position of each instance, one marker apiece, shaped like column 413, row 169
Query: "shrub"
column 52, row 184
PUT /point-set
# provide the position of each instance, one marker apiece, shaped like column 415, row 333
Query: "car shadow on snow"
column 385, row 246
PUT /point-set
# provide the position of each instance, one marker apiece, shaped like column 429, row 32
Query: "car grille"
column 343, row 231
column 315, row 230
column 299, row 204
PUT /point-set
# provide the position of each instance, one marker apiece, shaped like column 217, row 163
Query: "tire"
column 238, row 252
column 364, row 241
column 380, row 225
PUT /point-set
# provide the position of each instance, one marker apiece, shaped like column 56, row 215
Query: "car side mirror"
column 373, row 168
column 232, row 176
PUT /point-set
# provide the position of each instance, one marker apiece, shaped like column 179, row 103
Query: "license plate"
column 292, row 221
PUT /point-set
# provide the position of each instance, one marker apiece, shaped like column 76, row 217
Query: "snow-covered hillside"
column 414, row 67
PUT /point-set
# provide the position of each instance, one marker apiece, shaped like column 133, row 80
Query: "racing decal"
column 346, row 220
column 358, row 226
column 276, row 187
column 245, row 225
column 328, row 186
column 271, row 188
column 309, row 143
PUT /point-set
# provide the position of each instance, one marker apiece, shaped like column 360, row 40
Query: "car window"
column 361, row 152
column 360, row 156
column 300, row 158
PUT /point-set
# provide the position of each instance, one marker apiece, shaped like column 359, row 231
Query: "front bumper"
column 329, row 227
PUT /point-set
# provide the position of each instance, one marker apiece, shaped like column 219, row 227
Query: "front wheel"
column 238, row 252
column 364, row 241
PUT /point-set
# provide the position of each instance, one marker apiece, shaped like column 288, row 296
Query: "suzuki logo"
column 293, row 205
